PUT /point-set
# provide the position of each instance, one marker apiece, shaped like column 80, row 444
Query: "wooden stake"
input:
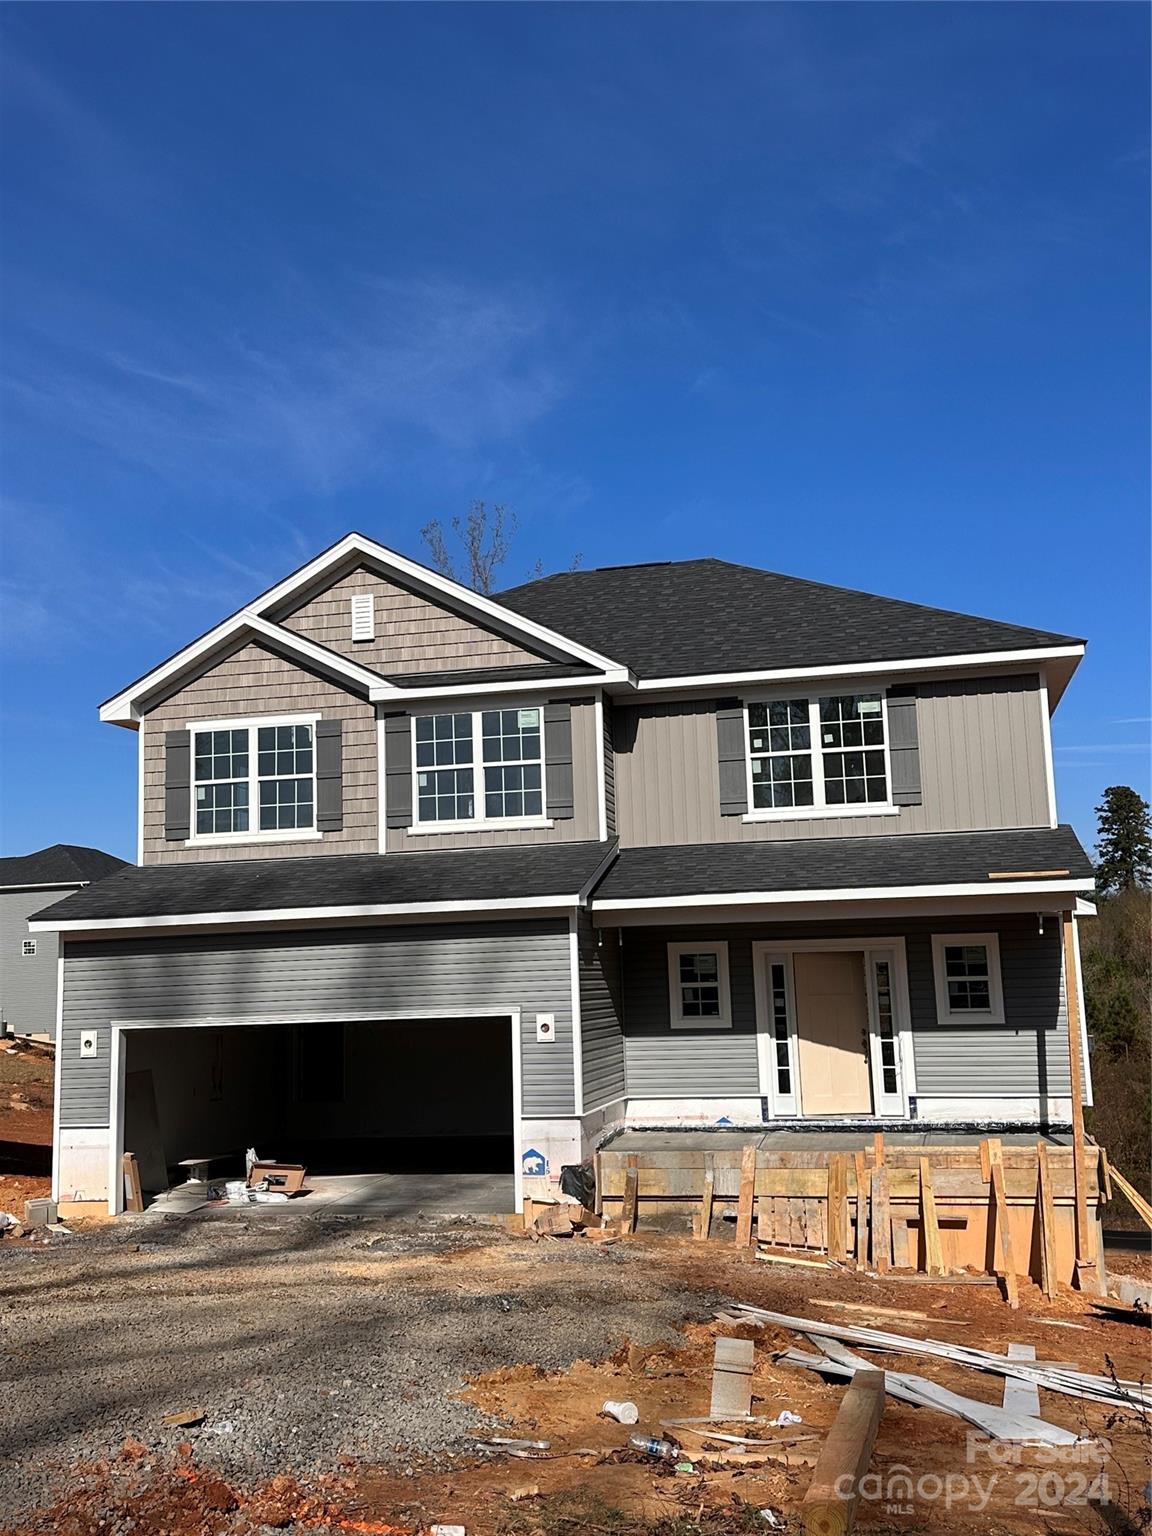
column 631, row 1196
column 861, row 1207
column 747, row 1196
column 999, row 1206
column 527, row 1212
column 1046, row 1216
column 704, row 1217
column 933, row 1253
column 1085, row 1239
column 829, row 1506
column 878, row 1149
column 881, row 1222
column 133, row 1194
column 1105, row 1175
column 838, row 1206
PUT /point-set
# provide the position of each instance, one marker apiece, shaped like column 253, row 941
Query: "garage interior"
column 387, row 1115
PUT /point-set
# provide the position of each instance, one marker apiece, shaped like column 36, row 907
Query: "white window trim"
column 252, row 835
column 27, row 948
column 819, row 809
column 675, row 1002
column 944, row 1013
column 476, row 823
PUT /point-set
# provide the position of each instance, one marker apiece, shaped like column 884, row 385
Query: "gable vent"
column 363, row 616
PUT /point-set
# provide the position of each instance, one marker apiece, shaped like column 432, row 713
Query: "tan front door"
column 832, row 1033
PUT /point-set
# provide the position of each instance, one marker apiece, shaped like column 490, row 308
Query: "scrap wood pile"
column 1019, row 1416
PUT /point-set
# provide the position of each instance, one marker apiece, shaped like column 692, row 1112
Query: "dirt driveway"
column 341, row 1367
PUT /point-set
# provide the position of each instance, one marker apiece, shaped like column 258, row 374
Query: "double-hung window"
column 253, row 779
column 698, row 992
column 967, row 973
column 480, row 767
column 822, row 752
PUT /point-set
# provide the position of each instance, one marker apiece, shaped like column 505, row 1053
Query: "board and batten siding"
column 982, row 766
column 1024, row 1057
column 412, row 635
column 601, row 1033
column 583, row 826
column 253, row 682
column 450, row 970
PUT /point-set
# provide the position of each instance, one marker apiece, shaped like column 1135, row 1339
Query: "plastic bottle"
column 653, row 1447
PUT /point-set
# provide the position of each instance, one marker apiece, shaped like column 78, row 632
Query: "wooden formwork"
column 941, row 1200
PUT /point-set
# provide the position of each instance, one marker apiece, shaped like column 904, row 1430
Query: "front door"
column 832, row 1032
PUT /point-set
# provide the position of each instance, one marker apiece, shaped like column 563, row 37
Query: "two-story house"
column 650, row 845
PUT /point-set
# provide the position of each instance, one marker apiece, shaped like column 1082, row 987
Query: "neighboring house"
column 653, row 844
column 29, row 979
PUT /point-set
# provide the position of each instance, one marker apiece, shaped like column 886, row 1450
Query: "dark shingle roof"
column 344, row 880
column 694, row 616
column 828, row 864
column 63, row 863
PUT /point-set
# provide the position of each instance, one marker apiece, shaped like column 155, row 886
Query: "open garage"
column 383, row 1113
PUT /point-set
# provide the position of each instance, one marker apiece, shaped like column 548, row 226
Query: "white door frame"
column 763, row 950
column 119, row 1071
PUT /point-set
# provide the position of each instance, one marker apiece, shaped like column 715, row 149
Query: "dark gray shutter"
column 329, row 776
column 904, row 745
column 730, row 747
column 177, row 785
column 558, row 759
column 398, row 770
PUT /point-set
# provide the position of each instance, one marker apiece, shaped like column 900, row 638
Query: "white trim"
column 306, row 914
column 140, row 793
column 944, row 1013
column 253, row 833
column 432, row 693
column 1046, row 731
column 478, row 765
column 993, row 889
column 889, row 1106
column 57, row 1074
column 676, row 1016
column 421, row 575
column 28, row 948
column 577, row 1017
column 816, row 751
column 780, row 1106
column 601, row 785
column 1085, row 1056
column 821, row 812
column 122, row 710
column 862, row 669
column 119, row 1064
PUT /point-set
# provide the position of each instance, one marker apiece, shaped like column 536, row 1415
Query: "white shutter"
column 363, row 616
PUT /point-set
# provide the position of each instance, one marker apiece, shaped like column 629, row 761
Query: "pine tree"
column 1124, row 844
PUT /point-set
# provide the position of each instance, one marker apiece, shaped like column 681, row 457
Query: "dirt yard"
column 340, row 1370
column 26, row 1083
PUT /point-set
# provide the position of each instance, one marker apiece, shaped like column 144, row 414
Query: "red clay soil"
column 26, row 1087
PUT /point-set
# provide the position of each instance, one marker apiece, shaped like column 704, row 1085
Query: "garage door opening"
column 382, row 1113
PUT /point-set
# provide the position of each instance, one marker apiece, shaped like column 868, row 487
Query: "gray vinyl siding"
column 982, row 767
column 601, row 1030
column 28, row 983
column 451, row 970
column 582, row 826
column 1026, row 1056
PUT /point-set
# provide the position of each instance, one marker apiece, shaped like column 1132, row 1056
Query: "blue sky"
column 854, row 292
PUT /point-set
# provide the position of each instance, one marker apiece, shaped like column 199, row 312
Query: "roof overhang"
column 124, row 708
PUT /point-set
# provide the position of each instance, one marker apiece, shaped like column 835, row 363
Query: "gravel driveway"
column 301, row 1339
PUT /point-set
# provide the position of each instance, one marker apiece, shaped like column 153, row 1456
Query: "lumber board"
column 881, row 1221
column 1085, row 1237
column 878, row 1149
column 747, row 1199
column 861, row 1171
column 704, row 1215
column 1133, row 1196
column 830, row 1503
column 1104, row 1175
column 838, row 1206
column 732, row 1366
column 631, row 1196
column 998, row 1212
column 933, row 1253
column 1021, row 1396
column 133, row 1194
column 1047, row 1219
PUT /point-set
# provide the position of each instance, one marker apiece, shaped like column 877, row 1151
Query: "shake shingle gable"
column 699, row 616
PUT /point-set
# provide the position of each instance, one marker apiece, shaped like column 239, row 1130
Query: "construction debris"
column 732, row 1377
column 829, row 1506
column 623, row 1413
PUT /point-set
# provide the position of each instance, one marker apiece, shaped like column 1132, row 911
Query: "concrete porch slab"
column 377, row 1194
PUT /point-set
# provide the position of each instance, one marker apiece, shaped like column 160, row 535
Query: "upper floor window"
column 254, row 778
column 480, row 766
column 824, row 752
column 967, row 974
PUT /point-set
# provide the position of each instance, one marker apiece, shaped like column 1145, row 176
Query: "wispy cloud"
column 1108, row 747
column 317, row 392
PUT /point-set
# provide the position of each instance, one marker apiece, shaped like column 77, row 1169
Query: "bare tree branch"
column 484, row 538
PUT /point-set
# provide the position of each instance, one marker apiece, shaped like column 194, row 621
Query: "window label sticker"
column 869, row 706
column 526, row 718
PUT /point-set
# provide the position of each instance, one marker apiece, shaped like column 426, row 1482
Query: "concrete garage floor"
column 407, row 1195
